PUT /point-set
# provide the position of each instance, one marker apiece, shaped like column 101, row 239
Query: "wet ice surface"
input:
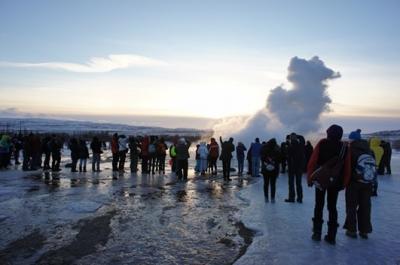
column 87, row 218
column 284, row 229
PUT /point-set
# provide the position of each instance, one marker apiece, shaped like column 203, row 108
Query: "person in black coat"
column 308, row 152
column 270, row 159
column 95, row 145
column 296, row 158
column 284, row 150
column 74, row 147
column 386, row 157
column 227, row 148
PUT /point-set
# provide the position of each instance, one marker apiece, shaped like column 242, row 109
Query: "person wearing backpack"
column 270, row 159
column 95, row 145
column 327, row 149
column 182, row 156
column 358, row 192
column 213, row 150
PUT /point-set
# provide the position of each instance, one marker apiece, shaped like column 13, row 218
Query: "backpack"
column 268, row 165
column 328, row 175
column 366, row 168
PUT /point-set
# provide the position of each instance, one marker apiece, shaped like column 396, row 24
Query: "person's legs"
column 364, row 209
column 266, row 184
column 299, row 188
column 185, row 169
column 318, row 214
column 291, row 186
column 272, row 181
column 351, row 209
column 332, row 197
column 228, row 169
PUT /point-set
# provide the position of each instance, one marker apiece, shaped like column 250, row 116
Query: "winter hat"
column 355, row 135
column 334, row 132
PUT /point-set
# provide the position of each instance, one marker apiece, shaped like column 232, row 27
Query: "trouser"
column 197, row 166
column 96, row 162
column 26, row 161
column 295, row 173
column 134, row 164
column 255, row 166
column 173, row 164
column 16, row 156
column 55, row 161
column 182, row 168
column 332, row 196
column 73, row 164
column 145, row 167
column 115, row 159
column 249, row 166
column 82, row 164
column 240, row 165
column 283, row 164
column 358, row 207
column 213, row 165
column 46, row 164
column 270, row 180
column 226, row 168
column 161, row 163
column 152, row 164
column 203, row 165
column 122, row 157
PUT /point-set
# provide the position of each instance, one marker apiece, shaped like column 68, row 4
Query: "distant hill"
column 73, row 126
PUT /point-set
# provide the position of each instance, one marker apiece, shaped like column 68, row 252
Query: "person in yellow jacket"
column 374, row 144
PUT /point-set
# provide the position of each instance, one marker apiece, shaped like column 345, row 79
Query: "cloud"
column 287, row 110
column 94, row 65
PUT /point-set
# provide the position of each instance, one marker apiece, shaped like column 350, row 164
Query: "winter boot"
column 331, row 236
column 317, row 228
column 351, row 234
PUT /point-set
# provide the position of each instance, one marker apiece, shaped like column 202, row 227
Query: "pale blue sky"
column 186, row 52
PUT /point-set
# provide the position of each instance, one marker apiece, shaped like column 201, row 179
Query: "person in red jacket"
column 325, row 150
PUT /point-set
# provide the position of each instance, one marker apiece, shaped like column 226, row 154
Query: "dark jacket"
column 227, row 148
column 182, row 151
column 296, row 154
column 270, row 152
column 95, row 145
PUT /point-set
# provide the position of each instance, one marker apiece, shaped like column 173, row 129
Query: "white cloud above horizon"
column 94, row 65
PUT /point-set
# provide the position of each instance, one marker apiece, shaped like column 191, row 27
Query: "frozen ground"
column 140, row 219
column 284, row 229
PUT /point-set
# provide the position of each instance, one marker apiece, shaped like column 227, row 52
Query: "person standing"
column 227, row 148
column 144, row 153
column 122, row 150
column 182, row 156
column 134, row 154
column 203, row 156
column 95, row 145
column 213, row 154
column 295, row 166
column 161, row 155
column 308, row 151
column 240, row 150
column 115, row 152
column 47, row 152
column 172, row 155
column 327, row 149
column 83, row 155
column 270, row 159
column 284, row 150
column 386, row 157
column 358, row 192
column 74, row 148
column 255, row 157
column 56, row 144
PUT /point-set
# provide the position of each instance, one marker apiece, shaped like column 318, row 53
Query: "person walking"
column 327, row 149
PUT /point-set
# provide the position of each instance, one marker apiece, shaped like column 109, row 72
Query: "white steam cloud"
column 287, row 110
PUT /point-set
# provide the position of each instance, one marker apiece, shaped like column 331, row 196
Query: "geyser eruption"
column 287, row 110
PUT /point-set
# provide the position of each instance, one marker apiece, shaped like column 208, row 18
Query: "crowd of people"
column 333, row 165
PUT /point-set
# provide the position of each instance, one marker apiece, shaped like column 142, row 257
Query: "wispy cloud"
column 94, row 65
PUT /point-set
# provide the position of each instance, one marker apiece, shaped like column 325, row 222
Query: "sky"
column 202, row 59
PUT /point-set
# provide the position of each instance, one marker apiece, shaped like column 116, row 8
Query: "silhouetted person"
column 47, row 152
column 327, row 149
column 152, row 154
column 161, row 155
column 255, row 157
column 284, row 153
column 95, row 145
column 55, row 146
column 270, row 159
column 240, row 153
column 213, row 154
column 74, row 147
column 227, row 148
column 144, row 153
column 308, row 152
column 115, row 152
column 295, row 166
column 386, row 158
column 17, row 143
column 182, row 156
